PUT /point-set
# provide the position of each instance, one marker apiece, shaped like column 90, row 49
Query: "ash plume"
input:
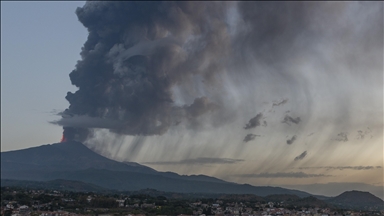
column 301, row 156
column 290, row 141
column 254, row 122
column 186, row 78
column 288, row 120
column 135, row 54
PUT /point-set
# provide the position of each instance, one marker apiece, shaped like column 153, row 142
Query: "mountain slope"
column 358, row 200
column 63, row 157
column 74, row 161
column 58, row 184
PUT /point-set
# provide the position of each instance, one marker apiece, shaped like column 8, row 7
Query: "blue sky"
column 40, row 45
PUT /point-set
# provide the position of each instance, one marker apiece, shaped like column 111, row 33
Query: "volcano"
column 74, row 161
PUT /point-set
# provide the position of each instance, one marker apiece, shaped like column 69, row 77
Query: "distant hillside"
column 335, row 188
column 282, row 198
column 74, row 161
column 58, row 184
column 311, row 201
column 241, row 197
column 358, row 200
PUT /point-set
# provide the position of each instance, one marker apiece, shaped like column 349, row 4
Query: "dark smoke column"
column 135, row 53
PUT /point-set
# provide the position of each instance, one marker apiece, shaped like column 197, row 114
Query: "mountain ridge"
column 74, row 161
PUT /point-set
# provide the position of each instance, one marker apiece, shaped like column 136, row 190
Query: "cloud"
column 288, row 119
column 343, row 167
column 290, row 141
column 283, row 175
column 265, row 124
column 342, row 137
column 280, row 103
column 301, row 156
column 250, row 137
column 199, row 160
column 361, row 133
column 254, row 122
column 84, row 121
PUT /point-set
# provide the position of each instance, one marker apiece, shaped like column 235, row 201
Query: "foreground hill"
column 74, row 161
column 335, row 188
column 358, row 200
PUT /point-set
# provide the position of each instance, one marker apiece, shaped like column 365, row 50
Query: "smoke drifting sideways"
column 301, row 156
column 288, row 120
column 250, row 137
column 254, row 122
column 293, row 139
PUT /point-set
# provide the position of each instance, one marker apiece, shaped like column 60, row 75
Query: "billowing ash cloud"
column 301, row 156
column 149, row 67
column 200, row 160
column 254, row 122
column 283, row 175
column 290, row 141
column 288, row 120
column 343, row 167
column 135, row 53
column 250, row 137
column 342, row 137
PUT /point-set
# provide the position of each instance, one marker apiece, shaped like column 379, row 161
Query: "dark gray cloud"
column 200, row 160
column 343, row 167
column 283, row 175
column 250, row 137
column 254, row 122
column 288, row 120
column 362, row 133
column 290, row 141
column 135, row 53
column 301, row 156
column 265, row 124
column 284, row 101
column 342, row 137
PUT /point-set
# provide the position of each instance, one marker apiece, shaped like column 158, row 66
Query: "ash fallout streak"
column 230, row 80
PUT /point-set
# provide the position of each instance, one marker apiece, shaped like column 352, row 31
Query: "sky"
column 294, row 98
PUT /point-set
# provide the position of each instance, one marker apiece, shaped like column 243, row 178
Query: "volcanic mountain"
column 74, row 161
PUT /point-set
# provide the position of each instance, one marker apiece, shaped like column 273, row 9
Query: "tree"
column 207, row 211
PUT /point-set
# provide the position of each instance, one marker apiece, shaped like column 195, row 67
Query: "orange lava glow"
column 63, row 139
